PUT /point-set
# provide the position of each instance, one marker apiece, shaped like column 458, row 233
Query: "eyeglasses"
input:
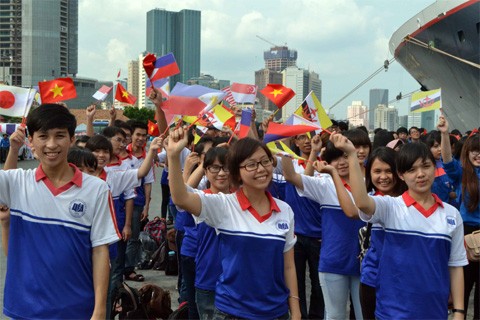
column 119, row 140
column 301, row 138
column 475, row 153
column 216, row 169
column 252, row 166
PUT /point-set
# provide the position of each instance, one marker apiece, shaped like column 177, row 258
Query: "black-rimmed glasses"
column 216, row 169
column 252, row 166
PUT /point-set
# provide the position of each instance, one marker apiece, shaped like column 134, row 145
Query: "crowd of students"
column 249, row 223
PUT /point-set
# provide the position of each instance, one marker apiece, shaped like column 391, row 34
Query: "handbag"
column 472, row 246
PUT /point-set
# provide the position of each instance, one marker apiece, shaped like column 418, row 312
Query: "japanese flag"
column 15, row 101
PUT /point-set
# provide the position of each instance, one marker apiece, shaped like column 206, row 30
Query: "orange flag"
column 124, row 96
column 153, row 129
column 278, row 94
column 56, row 90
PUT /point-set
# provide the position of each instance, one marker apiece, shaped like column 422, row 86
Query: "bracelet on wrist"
column 294, row 297
column 458, row 311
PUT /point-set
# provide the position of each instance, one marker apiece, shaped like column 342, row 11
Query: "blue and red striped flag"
column 278, row 131
column 245, row 123
column 159, row 68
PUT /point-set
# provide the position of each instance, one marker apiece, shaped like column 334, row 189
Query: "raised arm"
column 157, row 99
column 442, row 126
column 344, row 198
column 316, row 144
column 113, row 116
column 17, row 140
column 181, row 197
column 90, row 113
column 151, row 154
column 289, row 173
column 362, row 200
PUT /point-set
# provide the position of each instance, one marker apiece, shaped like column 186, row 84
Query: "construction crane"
column 271, row 43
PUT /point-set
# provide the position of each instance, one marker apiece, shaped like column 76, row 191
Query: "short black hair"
column 122, row 125
column 82, row 157
column 432, row 137
column 111, row 132
column 214, row 154
column 51, row 116
column 382, row 138
column 402, row 130
column 99, row 142
column 456, row 132
column 331, row 153
column 358, row 138
column 136, row 124
column 410, row 153
column 413, row 127
column 81, row 139
column 239, row 152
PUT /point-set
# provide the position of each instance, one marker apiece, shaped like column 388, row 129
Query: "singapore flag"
column 244, row 93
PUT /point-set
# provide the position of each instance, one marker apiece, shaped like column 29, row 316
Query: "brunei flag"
column 312, row 110
column 426, row 101
column 278, row 131
column 278, row 147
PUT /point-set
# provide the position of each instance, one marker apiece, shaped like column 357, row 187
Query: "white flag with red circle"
column 16, row 101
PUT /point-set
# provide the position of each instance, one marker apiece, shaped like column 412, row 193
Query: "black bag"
column 160, row 257
column 127, row 304
column 364, row 240
column 171, row 268
column 149, row 246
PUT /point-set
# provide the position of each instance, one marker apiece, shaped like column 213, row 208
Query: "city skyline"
column 349, row 43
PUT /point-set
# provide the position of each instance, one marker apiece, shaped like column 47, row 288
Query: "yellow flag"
column 312, row 110
column 423, row 101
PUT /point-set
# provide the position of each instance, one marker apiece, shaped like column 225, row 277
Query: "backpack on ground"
column 157, row 228
column 181, row 312
column 149, row 302
column 149, row 246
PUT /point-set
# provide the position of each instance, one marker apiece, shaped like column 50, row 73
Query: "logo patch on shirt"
column 282, row 225
column 77, row 208
column 451, row 221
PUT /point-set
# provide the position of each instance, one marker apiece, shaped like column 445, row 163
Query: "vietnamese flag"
column 278, row 94
column 278, row 131
column 245, row 123
column 122, row 95
column 153, row 129
column 56, row 90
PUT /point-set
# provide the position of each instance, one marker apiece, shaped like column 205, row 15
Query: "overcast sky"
column 344, row 41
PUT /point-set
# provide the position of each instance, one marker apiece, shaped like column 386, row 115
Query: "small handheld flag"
column 15, row 101
column 245, row 123
column 56, row 90
column 243, row 93
column 278, row 94
column 426, row 101
column 102, row 93
column 122, row 95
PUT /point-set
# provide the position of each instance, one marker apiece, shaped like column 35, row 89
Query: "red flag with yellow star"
column 124, row 96
column 153, row 129
column 56, row 90
column 278, row 94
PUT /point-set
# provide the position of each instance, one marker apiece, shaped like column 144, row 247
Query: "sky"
column 344, row 41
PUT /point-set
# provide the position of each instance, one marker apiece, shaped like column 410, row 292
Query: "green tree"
column 142, row 114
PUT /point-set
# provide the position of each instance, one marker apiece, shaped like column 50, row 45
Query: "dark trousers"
column 178, row 242
column 471, row 274
column 3, row 154
column 165, row 199
column 220, row 315
column 188, row 274
column 368, row 301
column 307, row 251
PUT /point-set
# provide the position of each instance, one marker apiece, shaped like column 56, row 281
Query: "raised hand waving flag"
column 15, row 101
column 312, row 110
column 192, row 100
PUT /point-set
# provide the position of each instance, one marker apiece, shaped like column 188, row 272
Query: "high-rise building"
column 301, row 81
column 429, row 119
column 38, row 39
column 386, row 117
column 357, row 114
column 262, row 78
column 403, row 121
column 414, row 119
column 377, row 97
column 177, row 32
column 279, row 57
column 209, row 81
column 133, row 77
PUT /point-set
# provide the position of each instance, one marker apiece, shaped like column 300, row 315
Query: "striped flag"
column 229, row 97
column 312, row 110
column 426, row 101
